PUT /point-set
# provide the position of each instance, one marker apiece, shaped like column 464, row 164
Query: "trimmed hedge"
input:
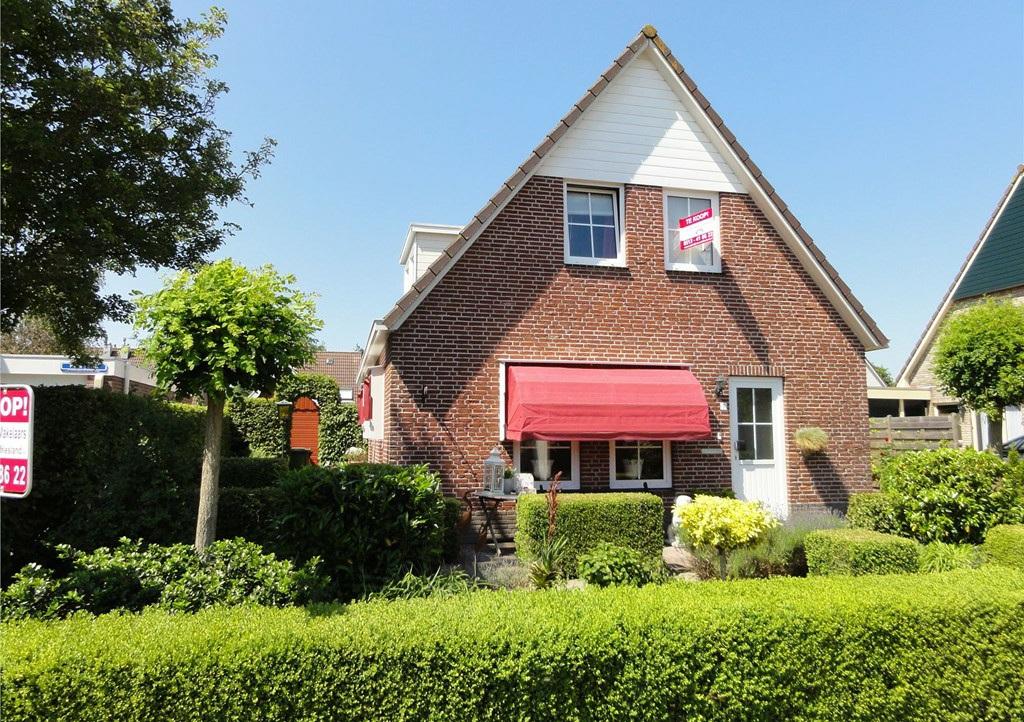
column 921, row 647
column 106, row 465
column 871, row 510
column 626, row 519
column 452, row 542
column 259, row 426
column 859, row 551
column 1004, row 544
column 251, row 472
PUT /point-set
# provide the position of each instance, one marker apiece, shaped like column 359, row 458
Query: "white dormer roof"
column 429, row 230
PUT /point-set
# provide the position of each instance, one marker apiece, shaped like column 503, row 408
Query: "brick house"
column 341, row 366
column 635, row 307
column 994, row 268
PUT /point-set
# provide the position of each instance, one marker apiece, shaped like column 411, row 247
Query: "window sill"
column 691, row 268
column 603, row 262
column 621, row 484
column 563, row 486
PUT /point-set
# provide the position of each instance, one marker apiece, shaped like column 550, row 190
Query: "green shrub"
column 259, row 425
column 609, row 565
column 248, row 513
column 130, row 577
column 369, row 523
column 917, row 647
column 1004, row 544
column 631, row 520
column 859, row 551
column 871, row 510
column 941, row 557
column 952, row 495
column 452, row 543
column 251, row 472
column 781, row 551
column 106, row 465
column 718, row 526
column 418, row 586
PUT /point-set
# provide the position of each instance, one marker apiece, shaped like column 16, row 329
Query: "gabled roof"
column 762, row 192
column 995, row 262
column 341, row 366
column 428, row 228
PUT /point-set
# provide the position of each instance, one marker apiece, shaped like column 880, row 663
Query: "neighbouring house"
column 994, row 268
column 341, row 366
column 636, row 308
column 885, row 400
column 114, row 371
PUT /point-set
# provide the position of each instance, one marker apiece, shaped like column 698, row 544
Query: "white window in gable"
column 640, row 464
column 692, row 232
column 592, row 227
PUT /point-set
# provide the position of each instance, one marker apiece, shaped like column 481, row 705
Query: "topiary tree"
column 980, row 357
column 220, row 329
column 719, row 525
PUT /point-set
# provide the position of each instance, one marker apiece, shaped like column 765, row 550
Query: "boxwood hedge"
column 1004, row 544
column 859, row 551
column 916, row 647
column 631, row 520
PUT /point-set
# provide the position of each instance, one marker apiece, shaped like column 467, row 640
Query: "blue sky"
column 891, row 129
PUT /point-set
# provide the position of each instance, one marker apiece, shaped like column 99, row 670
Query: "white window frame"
column 664, row 483
column 617, row 191
column 716, row 254
column 574, row 449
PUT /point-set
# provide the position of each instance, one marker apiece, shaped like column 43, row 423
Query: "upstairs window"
column 692, row 232
column 592, row 227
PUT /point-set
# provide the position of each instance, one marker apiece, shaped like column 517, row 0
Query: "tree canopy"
column 111, row 158
column 980, row 356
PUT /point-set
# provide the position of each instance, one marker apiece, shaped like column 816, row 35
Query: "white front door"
column 758, row 438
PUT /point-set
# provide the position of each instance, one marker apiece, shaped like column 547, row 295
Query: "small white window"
column 593, row 233
column 692, row 232
column 544, row 459
column 640, row 464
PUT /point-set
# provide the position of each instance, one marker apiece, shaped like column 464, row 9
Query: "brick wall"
column 511, row 296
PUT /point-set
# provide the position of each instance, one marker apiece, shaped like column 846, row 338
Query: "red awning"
column 576, row 403
column 365, row 402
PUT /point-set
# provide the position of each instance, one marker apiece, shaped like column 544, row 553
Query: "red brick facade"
column 511, row 296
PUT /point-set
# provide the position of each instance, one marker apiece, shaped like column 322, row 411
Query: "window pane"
column 745, row 441
column 699, row 204
column 765, row 443
column 744, row 404
column 544, row 459
column 763, row 405
column 627, row 461
column 601, row 209
column 579, row 241
column 676, row 208
column 579, row 207
column 604, row 242
column 652, row 461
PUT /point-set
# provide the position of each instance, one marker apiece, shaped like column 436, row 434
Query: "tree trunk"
column 723, row 565
column 209, row 488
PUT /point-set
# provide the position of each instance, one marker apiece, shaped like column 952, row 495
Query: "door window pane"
column 745, row 442
column 763, row 435
column 544, row 459
column 745, row 404
column 763, row 405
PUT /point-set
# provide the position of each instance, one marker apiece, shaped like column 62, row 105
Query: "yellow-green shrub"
column 918, row 647
column 719, row 525
column 1004, row 544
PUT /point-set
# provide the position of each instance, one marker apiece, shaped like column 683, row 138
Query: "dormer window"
column 593, row 234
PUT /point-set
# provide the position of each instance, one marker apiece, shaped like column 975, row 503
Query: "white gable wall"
column 638, row 131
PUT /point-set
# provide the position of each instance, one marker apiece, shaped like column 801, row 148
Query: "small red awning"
column 577, row 403
column 365, row 402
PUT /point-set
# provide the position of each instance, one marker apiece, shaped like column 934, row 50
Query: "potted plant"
column 810, row 440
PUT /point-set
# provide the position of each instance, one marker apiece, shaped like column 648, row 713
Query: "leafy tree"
column 883, row 373
column 222, row 329
column 111, row 158
column 31, row 334
column 980, row 356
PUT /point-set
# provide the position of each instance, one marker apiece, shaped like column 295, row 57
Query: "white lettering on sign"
column 16, row 419
column 697, row 229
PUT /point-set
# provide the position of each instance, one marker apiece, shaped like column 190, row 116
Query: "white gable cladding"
column 638, row 131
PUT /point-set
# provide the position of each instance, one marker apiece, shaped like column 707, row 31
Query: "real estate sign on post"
column 696, row 230
column 17, row 409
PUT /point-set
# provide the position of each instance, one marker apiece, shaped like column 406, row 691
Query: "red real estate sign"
column 16, row 415
column 696, row 230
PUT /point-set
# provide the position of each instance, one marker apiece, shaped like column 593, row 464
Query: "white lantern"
column 494, row 471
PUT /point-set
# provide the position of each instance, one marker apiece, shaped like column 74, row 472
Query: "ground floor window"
column 640, row 464
column 544, row 459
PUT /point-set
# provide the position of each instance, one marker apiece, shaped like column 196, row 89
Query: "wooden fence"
column 896, row 434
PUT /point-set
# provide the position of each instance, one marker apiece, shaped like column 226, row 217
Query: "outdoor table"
column 489, row 502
